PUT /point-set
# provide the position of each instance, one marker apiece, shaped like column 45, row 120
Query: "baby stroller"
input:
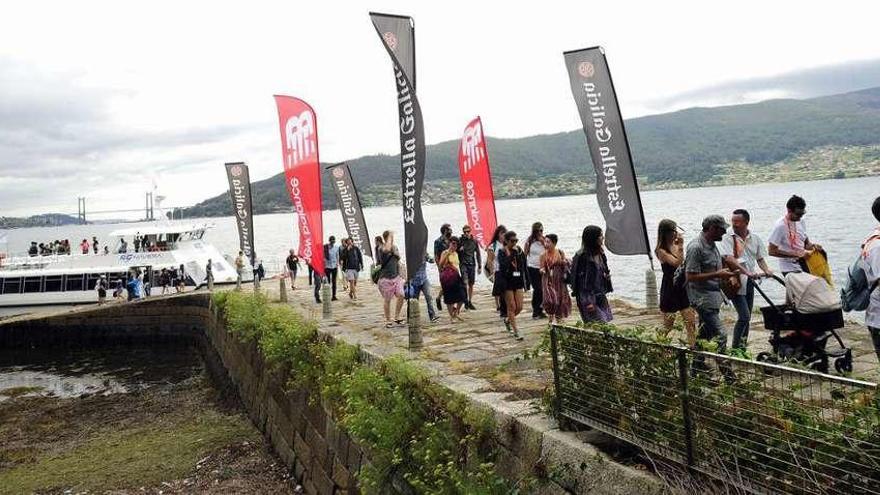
column 803, row 325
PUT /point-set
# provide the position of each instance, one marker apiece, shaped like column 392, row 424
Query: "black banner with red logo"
column 616, row 187
column 242, row 208
column 350, row 207
column 398, row 36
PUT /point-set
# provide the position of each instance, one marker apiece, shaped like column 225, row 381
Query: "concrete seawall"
column 323, row 458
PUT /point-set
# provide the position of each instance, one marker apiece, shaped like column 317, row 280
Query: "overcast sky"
column 98, row 99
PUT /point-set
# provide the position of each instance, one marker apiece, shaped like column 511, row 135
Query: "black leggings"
column 537, row 291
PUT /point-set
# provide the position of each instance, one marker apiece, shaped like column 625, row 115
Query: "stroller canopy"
column 810, row 294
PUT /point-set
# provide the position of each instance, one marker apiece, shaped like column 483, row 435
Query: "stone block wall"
column 323, row 458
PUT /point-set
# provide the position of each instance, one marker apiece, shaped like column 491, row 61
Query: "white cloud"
column 96, row 98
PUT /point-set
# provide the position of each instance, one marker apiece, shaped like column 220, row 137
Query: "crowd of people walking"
column 720, row 266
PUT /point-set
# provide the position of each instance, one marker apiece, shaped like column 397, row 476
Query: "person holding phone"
column 674, row 299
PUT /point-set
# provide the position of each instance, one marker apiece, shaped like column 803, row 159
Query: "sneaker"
column 507, row 324
column 435, row 319
column 470, row 306
column 539, row 316
column 517, row 336
column 317, row 300
column 334, row 298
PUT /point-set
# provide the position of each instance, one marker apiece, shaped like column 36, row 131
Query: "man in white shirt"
column 788, row 240
column 743, row 250
column 871, row 264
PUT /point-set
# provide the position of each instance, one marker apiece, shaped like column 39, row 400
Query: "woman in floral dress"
column 554, row 270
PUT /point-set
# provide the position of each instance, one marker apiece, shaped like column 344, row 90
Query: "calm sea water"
column 838, row 217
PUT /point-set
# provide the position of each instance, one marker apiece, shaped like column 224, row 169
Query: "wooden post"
column 325, row 297
column 414, row 322
column 282, row 290
column 650, row 289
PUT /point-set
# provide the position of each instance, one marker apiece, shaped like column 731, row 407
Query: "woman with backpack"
column 673, row 298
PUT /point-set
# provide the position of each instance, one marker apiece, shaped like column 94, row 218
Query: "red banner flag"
column 299, row 150
column 476, row 183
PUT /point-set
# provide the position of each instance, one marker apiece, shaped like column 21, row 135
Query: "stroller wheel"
column 821, row 365
column 843, row 364
column 764, row 357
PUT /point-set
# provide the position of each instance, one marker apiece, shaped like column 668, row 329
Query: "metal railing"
column 761, row 427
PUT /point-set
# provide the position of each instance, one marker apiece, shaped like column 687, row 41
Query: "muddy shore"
column 174, row 434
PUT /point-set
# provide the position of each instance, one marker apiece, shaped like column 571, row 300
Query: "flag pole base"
column 651, row 301
column 414, row 323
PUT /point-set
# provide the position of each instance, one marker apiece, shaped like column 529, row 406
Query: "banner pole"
column 632, row 162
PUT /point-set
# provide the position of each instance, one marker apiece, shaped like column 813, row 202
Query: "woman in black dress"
column 670, row 252
column 512, row 268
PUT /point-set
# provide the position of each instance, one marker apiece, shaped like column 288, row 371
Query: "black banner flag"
column 350, row 207
column 398, row 36
column 616, row 187
column 242, row 209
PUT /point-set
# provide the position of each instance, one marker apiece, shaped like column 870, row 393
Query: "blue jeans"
column 425, row 290
column 743, row 304
column 710, row 328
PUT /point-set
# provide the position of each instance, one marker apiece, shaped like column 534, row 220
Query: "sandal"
column 389, row 325
column 399, row 322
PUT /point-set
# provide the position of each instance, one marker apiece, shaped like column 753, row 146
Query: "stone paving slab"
column 482, row 348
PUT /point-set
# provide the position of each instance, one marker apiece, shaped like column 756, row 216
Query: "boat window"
column 53, row 284
column 73, row 282
column 91, row 280
column 12, row 285
column 33, row 284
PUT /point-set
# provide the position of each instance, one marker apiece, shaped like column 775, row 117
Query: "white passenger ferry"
column 71, row 278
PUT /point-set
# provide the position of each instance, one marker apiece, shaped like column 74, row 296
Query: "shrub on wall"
column 412, row 428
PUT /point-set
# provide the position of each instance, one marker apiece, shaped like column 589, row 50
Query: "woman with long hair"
column 554, row 270
column 670, row 252
column 491, row 268
column 591, row 277
column 390, row 282
column 534, row 248
column 512, row 267
column 454, row 294
column 377, row 244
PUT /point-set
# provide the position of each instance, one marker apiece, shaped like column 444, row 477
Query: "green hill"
column 689, row 147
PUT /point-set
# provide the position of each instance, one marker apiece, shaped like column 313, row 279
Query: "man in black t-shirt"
column 469, row 258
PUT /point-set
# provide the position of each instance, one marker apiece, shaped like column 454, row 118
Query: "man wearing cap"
column 702, row 265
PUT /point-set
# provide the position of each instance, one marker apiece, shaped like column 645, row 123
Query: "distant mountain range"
column 45, row 220
column 696, row 146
